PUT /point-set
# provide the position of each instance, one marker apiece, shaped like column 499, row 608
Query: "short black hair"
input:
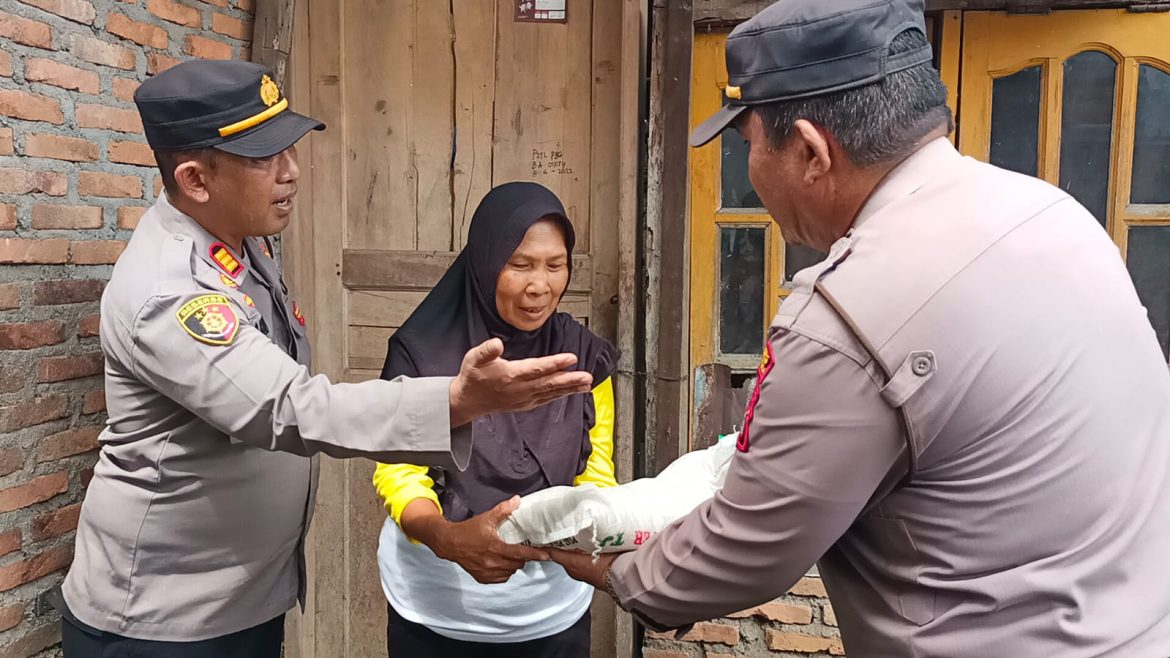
column 877, row 123
column 168, row 161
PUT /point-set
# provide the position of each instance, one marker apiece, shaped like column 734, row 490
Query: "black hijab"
column 513, row 453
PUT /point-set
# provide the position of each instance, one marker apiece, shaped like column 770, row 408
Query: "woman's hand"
column 474, row 544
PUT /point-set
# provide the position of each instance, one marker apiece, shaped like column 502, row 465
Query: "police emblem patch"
column 209, row 319
column 766, row 364
column 269, row 92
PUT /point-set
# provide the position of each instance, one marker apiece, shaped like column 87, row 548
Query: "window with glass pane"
column 1086, row 130
column 736, row 188
column 1151, row 142
column 1015, row 121
column 1148, row 260
column 742, row 262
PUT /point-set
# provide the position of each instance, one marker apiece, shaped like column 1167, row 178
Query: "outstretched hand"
column 476, row 546
column 489, row 383
column 582, row 567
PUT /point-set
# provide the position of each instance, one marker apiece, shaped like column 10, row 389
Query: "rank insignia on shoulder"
column 209, row 319
column 766, row 364
column 225, row 260
column 228, row 281
column 298, row 315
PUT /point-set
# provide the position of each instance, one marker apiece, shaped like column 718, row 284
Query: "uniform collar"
column 905, row 179
column 211, row 249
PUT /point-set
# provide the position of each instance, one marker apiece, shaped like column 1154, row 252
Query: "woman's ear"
column 191, row 177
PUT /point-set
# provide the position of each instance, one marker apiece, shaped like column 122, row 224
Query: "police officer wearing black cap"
column 961, row 415
column 190, row 541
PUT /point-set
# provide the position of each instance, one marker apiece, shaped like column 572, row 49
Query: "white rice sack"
column 613, row 519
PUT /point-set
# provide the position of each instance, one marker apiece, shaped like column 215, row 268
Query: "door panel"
column 1080, row 99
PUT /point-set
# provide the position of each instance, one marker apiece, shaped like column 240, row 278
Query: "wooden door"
column 430, row 104
column 1082, row 100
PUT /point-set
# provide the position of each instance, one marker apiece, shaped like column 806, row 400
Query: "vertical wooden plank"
column 605, row 155
column 951, row 23
column 382, row 182
column 1124, row 127
column 709, row 76
column 475, row 89
column 975, row 95
column 1050, row 104
column 432, row 137
column 272, row 37
column 325, row 611
column 542, row 117
column 366, row 613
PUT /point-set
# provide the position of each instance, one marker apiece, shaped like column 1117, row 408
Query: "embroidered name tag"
column 209, row 319
column 766, row 365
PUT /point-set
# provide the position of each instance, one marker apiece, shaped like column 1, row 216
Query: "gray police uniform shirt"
column 193, row 526
column 1038, row 400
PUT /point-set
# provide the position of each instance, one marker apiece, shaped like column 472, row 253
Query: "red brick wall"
column 75, row 176
column 798, row 625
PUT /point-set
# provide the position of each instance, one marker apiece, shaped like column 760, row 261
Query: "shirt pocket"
column 891, row 547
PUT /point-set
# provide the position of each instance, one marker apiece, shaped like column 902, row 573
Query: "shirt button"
column 923, row 365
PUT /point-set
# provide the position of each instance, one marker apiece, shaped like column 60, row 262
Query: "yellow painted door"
column 1082, row 100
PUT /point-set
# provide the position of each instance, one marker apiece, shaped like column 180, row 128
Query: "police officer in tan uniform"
column 191, row 536
column 963, row 413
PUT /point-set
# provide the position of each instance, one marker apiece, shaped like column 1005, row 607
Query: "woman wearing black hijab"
column 454, row 588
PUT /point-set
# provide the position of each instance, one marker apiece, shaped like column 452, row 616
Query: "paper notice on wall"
column 542, row 11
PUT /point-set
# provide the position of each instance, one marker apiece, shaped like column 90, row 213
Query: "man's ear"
column 814, row 150
column 191, row 177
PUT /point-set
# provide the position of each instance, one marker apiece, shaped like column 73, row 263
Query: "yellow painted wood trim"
column 708, row 77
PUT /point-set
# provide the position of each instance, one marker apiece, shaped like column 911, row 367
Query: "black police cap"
column 804, row 48
column 232, row 106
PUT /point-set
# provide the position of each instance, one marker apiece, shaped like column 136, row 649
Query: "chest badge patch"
column 228, row 281
column 209, row 319
column 766, row 364
column 298, row 315
column 225, row 260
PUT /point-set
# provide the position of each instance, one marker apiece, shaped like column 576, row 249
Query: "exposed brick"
column 780, row 612
column 11, row 461
column 94, row 401
column 140, row 33
column 5, row 64
column 801, row 643
column 31, row 107
column 706, row 632
column 231, row 27
column 63, row 368
column 23, row 181
column 158, row 185
column 124, row 89
column 61, row 75
column 174, row 12
column 18, row 251
column 97, row 51
column 6, row 141
column 75, row 10
column 247, row 5
column 57, row 147
column 114, row 186
column 717, row 654
column 87, row 327
column 109, row 118
column 204, row 48
column 55, row 216
column 129, row 216
column 68, row 443
column 32, row 412
column 32, row 641
column 25, row 31
column 135, row 153
column 10, row 616
column 659, row 653
column 86, row 477
column 32, row 492
column 217, row 3
column 157, row 63
column 809, row 587
column 10, row 541
column 9, row 296
column 30, row 335
column 69, row 291
column 830, row 615
column 56, row 523
column 96, row 252
column 7, row 217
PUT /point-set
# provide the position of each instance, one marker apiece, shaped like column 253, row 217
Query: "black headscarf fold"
column 513, row 453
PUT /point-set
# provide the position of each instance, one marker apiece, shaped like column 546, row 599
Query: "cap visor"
column 716, row 124
column 272, row 136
